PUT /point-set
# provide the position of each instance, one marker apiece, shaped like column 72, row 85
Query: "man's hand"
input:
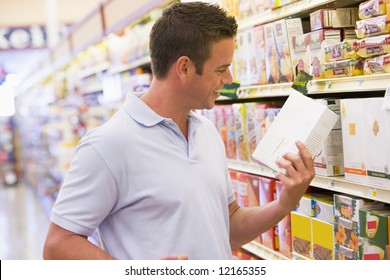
column 299, row 173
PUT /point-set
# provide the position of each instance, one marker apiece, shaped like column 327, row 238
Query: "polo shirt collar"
column 141, row 112
column 144, row 115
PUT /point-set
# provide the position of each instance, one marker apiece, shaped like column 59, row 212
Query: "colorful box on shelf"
column 301, row 234
column 370, row 250
column 347, row 206
column 344, row 253
column 374, row 225
column 333, row 18
column 322, row 239
column 284, row 229
column 267, row 193
column 346, row 233
column 323, row 208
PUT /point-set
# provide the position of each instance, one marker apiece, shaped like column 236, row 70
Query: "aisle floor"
column 23, row 224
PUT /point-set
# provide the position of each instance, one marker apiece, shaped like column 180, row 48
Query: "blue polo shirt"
column 149, row 191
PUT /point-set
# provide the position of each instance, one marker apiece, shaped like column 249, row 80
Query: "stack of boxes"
column 373, row 30
column 374, row 234
column 312, row 227
column 263, row 54
column 253, row 190
column 347, row 226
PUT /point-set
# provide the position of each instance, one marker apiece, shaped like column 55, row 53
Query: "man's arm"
column 61, row 244
column 248, row 223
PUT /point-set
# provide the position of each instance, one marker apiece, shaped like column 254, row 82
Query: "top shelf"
column 300, row 8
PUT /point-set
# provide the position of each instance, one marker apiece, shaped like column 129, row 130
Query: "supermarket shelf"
column 364, row 83
column 335, row 184
column 367, row 83
column 263, row 252
column 93, row 88
column 339, row 184
column 125, row 67
column 259, row 91
column 297, row 256
column 93, row 70
column 289, row 10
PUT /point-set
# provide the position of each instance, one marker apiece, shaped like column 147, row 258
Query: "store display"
column 271, row 50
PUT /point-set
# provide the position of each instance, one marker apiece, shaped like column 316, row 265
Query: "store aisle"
column 23, row 224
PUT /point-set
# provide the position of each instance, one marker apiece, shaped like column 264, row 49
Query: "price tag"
column 328, row 85
column 359, row 83
column 331, row 184
column 372, row 192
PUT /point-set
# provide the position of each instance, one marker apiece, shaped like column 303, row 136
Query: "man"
column 154, row 180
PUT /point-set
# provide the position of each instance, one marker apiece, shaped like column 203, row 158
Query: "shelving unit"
column 263, row 252
column 336, row 184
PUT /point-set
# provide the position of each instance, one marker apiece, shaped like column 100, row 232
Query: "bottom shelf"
column 263, row 252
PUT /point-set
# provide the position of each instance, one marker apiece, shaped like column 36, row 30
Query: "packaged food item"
column 372, row 27
column 377, row 65
column 333, row 18
column 373, row 46
column 318, row 41
column 340, row 51
column 343, row 68
column 372, row 8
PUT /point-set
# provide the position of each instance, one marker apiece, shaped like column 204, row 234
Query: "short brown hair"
column 188, row 29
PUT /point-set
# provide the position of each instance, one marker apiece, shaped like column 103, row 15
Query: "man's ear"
column 183, row 66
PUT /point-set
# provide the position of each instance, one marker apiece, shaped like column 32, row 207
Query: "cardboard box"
column 330, row 161
column 239, row 111
column 304, row 206
column 242, row 189
column 241, row 59
column 322, row 239
column 318, row 41
column 354, row 139
column 374, row 225
column 300, row 53
column 259, row 49
column 231, row 148
column 253, row 195
column 346, row 233
column 334, row 18
column 284, row 229
column 323, row 208
column 278, row 45
column 344, row 253
column 267, row 193
column 377, row 134
column 347, row 206
column 370, row 250
column 301, row 235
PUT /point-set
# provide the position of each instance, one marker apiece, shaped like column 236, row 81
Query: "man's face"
column 205, row 87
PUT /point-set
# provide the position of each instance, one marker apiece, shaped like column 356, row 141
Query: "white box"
column 377, row 130
column 301, row 118
column 354, row 142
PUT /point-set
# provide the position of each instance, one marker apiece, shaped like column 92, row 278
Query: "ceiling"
column 22, row 13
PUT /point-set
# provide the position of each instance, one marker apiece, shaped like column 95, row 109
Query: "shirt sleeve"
column 88, row 194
